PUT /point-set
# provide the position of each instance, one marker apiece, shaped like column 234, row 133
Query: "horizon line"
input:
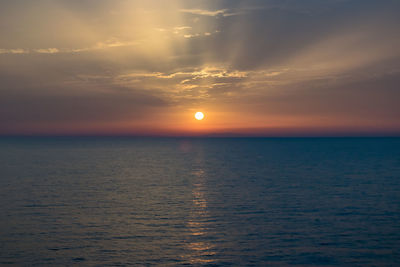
column 216, row 136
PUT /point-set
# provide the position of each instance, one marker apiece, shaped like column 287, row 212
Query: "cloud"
column 203, row 12
column 200, row 73
column 188, row 31
column 47, row 51
column 218, row 72
column 177, row 29
column 111, row 43
column 14, row 51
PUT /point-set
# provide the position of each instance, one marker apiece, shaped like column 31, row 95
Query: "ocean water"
column 201, row 202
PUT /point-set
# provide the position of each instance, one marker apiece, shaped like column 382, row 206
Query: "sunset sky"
column 257, row 68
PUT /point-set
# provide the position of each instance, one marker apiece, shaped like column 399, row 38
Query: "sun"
column 199, row 116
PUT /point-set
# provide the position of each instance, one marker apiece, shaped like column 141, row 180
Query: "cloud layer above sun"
column 144, row 67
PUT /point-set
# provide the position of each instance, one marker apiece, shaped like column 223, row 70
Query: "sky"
column 254, row 67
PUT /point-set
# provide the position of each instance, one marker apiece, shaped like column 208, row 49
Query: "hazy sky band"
column 145, row 67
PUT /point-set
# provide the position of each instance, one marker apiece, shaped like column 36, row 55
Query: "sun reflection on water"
column 198, row 223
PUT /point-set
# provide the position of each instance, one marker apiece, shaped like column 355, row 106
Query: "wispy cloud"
column 204, row 34
column 204, row 12
column 111, row 43
column 187, row 31
column 178, row 29
column 14, row 51
column 217, row 72
column 206, row 72
column 47, row 51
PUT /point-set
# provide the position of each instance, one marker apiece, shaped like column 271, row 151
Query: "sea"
column 130, row 201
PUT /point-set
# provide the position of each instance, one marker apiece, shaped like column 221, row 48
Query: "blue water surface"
column 89, row 201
